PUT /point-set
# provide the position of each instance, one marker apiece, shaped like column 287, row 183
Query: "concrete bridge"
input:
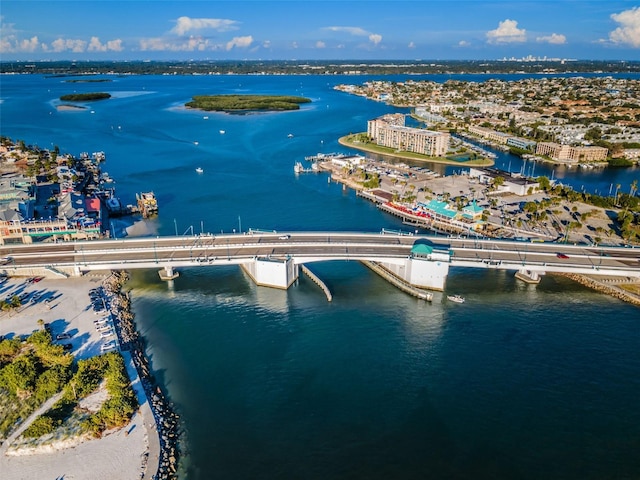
column 273, row 259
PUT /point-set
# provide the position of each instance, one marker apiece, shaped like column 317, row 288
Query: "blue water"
column 519, row 382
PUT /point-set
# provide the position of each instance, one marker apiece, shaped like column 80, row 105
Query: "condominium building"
column 489, row 134
column 569, row 154
column 390, row 131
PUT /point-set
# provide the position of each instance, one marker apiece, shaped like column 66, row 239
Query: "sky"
column 33, row 30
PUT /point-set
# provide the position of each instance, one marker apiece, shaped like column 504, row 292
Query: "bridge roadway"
column 305, row 247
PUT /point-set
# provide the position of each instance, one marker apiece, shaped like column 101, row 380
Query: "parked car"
column 108, row 346
column 63, row 336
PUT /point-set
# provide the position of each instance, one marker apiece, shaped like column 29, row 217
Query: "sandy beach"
column 118, row 454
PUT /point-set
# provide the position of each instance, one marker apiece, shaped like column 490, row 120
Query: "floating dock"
column 147, row 204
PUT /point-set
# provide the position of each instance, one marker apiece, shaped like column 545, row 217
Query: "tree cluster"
column 235, row 103
column 30, row 372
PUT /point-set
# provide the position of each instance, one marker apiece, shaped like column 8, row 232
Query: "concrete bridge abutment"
column 272, row 272
column 424, row 271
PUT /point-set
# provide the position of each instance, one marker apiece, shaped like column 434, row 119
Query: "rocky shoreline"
column 167, row 420
column 599, row 286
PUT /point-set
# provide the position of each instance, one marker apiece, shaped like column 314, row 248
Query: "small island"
column 246, row 103
column 85, row 97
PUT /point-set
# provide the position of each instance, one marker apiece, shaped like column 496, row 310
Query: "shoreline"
column 148, row 446
column 598, row 285
column 166, row 420
column 123, row 452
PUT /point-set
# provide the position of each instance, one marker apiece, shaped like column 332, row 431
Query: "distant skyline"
column 33, row 30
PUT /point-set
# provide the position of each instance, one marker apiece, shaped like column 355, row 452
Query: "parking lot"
column 65, row 307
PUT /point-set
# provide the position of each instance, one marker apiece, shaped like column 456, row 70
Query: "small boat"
column 199, row 170
column 290, row 135
column 221, row 132
column 455, row 298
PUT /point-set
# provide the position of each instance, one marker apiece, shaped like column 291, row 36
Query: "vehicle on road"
column 562, row 255
column 284, row 237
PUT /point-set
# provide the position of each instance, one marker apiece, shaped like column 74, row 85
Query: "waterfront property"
column 390, row 131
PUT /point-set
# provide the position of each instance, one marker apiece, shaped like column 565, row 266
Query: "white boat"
column 221, row 132
column 455, row 298
column 290, row 135
column 199, row 170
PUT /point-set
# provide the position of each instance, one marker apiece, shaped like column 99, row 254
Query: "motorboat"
column 455, row 298
column 199, row 170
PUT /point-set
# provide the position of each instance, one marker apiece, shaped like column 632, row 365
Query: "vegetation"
column 122, row 402
column 115, row 412
column 240, row 103
column 30, row 372
column 34, row 370
column 84, row 97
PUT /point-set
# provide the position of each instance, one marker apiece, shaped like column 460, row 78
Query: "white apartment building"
column 569, row 154
column 388, row 131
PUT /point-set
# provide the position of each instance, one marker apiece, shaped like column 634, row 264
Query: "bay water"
column 520, row 381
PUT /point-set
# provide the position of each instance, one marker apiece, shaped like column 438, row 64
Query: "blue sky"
column 322, row 30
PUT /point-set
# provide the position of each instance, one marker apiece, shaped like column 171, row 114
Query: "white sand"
column 120, row 454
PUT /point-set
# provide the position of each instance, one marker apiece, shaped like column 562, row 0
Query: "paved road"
column 312, row 246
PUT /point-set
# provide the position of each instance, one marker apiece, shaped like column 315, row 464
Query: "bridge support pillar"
column 422, row 272
column 272, row 272
column 168, row 273
column 528, row 276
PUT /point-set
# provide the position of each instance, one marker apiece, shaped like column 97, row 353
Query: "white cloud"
column 95, row 45
column 63, row 45
column 374, row 38
column 320, row 44
column 411, row 45
column 351, row 30
column 266, row 44
column 463, row 43
column 554, row 38
column 186, row 24
column 10, row 44
column 30, row 45
column 507, row 32
column 629, row 30
column 240, row 42
column 191, row 44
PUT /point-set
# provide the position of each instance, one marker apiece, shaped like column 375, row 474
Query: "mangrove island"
column 84, row 97
column 246, row 103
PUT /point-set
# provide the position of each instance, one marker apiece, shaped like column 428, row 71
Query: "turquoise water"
column 519, row 382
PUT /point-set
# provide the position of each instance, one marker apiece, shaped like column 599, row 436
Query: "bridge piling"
column 168, row 273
